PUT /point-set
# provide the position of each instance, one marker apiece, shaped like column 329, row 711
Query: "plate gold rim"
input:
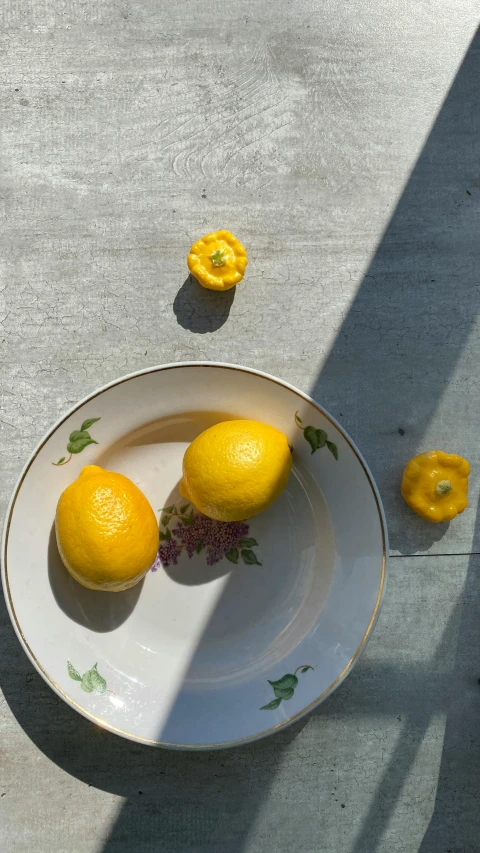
column 104, row 723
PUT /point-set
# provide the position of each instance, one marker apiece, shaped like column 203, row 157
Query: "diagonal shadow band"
column 396, row 358
column 455, row 823
column 410, row 344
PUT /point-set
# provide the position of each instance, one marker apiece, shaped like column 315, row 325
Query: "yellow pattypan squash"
column 218, row 260
column 435, row 485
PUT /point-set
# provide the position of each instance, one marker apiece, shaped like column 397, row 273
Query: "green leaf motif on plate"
column 248, row 543
column 73, row 672
column 91, row 681
column 80, row 444
column 333, row 449
column 78, row 435
column 317, row 438
column 284, row 688
column 165, row 535
column 271, row 705
column 284, row 694
column 88, row 423
column 249, row 557
column 78, row 440
column 286, row 683
column 232, row 555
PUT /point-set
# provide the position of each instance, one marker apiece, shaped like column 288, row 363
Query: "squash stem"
column 218, row 258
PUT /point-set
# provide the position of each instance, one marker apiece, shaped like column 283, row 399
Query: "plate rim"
column 104, row 723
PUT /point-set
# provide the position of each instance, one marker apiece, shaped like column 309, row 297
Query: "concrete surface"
column 340, row 142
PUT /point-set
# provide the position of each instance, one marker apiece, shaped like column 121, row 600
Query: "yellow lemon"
column 236, row 469
column 107, row 533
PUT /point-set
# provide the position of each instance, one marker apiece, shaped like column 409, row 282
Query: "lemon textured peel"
column 107, row 533
column 236, row 469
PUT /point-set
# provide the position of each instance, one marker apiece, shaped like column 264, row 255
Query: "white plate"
column 206, row 652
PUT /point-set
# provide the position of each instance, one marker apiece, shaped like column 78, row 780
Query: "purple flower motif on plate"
column 168, row 553
column 195, row 534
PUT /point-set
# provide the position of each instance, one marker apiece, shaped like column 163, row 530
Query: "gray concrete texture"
column 340, row 142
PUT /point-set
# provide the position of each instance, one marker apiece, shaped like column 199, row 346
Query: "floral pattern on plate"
column 91, row 681
column 197, row 534
column 78, row 440
column 317, row 438
column 284, row 688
